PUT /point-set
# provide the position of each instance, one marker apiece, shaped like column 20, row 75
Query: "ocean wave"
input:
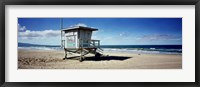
column 144, row 51
column 126, row 50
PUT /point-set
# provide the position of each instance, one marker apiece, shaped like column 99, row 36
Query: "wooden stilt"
column 65, row 54
column 82, row 56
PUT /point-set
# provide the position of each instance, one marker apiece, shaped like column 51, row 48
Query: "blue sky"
column 112, row 31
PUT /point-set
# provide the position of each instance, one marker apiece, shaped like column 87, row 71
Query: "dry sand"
column 40, row 59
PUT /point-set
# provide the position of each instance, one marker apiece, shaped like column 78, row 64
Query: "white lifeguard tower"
column 78, row 40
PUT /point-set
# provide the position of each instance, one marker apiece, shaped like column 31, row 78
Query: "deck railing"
column 89, row 43
column 85, row 43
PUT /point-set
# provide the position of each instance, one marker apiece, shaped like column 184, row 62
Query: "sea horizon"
column 139, row 49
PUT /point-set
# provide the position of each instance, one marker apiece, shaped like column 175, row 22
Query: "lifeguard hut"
column 78, row 40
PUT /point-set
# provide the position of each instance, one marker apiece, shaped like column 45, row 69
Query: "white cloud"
column 48, row 37
column 160, row 37
column 108, row 38
column 28, row 34
column 24, row 33
column 39, row 34
column 123, row 34
column 21, row 28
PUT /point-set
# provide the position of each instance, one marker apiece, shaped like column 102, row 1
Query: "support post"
column 81, row 56
column 98, row 43
column 61, row 32
column 65, row 54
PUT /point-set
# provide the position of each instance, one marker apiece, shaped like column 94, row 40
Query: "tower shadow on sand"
column 103, row 58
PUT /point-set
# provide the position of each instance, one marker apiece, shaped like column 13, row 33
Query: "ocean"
column 143, row 49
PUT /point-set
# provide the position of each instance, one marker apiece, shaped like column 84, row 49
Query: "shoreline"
column 109, row 51
column 51, row 59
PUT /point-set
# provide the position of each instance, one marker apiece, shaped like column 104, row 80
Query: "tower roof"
column 80, row 28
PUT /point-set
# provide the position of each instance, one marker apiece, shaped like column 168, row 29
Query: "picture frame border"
column 99, row 2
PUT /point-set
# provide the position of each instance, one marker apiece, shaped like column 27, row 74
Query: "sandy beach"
column 50, row 59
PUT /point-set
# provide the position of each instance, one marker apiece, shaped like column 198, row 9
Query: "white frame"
column 187, row 12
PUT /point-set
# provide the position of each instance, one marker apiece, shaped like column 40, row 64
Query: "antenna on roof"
column 61, row 27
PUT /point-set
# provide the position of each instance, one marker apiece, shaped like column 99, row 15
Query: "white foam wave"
column 126, row 50
column 140, row 51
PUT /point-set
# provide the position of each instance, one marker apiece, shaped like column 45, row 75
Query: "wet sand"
column 40, row 59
